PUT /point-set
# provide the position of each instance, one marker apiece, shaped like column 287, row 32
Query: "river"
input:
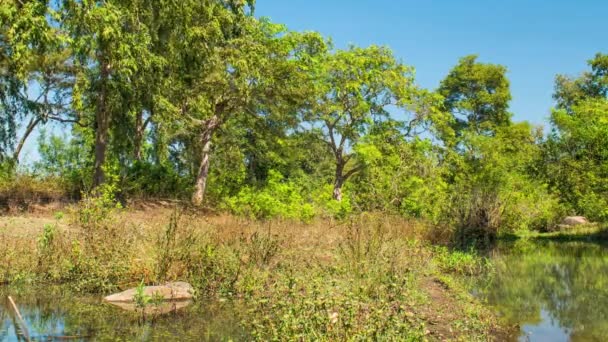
column 553, row 290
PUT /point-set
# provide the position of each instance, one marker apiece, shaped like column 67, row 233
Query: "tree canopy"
column 203, row 101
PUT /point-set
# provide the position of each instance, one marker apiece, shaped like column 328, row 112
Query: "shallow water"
column 555, row 291
column 56, row 314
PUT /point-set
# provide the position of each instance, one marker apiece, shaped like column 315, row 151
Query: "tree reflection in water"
column 557, row 289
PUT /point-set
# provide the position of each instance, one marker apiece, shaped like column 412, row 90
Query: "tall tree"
column 477, row 95
column 109, row 46
column 355, row 87
column 569, row 91
column 33, row 72
column 227, row 64
column 575, row 156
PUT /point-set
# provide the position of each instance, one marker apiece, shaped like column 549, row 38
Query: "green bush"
column 145, row 180
column 278, row 198
column 66, row 160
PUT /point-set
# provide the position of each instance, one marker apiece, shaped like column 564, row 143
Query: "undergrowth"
column 356, row 279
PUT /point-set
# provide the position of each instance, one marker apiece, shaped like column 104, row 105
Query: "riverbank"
column 369, row 277
column 594, row 232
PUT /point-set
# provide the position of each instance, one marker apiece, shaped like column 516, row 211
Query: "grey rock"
column 574, row 221
column 175, row 291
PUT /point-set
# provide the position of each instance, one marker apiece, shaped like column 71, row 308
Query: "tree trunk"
column 203, row 171
column 28, row 130
column 339, row 179
column 140, row 128
column 102, row 121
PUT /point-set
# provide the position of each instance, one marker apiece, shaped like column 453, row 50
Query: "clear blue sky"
column 534, row 39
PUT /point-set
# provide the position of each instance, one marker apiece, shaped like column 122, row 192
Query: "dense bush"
column 492, row 190
column 278, row 198
column 576, row 158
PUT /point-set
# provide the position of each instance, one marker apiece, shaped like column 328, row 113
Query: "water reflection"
column 556, row 291
column 57, row 314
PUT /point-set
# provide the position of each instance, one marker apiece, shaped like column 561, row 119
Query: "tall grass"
column 328, row 280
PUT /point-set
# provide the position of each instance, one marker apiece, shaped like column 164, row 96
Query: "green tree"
column 477, row 95
column 570, row 91
column 356, row 87
column 401, row 175
column 229, row 66
column 33, row 72
column 577, row 157
column 109, row 46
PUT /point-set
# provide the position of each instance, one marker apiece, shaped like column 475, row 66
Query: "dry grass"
column 369, row 273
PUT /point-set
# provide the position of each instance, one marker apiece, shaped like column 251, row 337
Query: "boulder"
column 156, row 309
column 175, row 291
column 574, row 221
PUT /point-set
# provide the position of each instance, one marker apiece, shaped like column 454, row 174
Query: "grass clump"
column 467, row 263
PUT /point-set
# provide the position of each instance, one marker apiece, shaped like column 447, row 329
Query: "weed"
column 467, row 263
column 261, row 248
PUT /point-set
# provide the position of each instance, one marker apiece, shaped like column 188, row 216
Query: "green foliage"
column 66, row 159
column 492, row 189
column 150, row 180
column 400, row 176
column 576, row 158
column 327, row 206
column 477, row 95
column 467, row 263
column 593, row 84
column 278, row 198
column 354, row 88
column 140, row 298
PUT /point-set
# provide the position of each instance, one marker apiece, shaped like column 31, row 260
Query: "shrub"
column 146, row 180
column 20, row 191
column 278, row 198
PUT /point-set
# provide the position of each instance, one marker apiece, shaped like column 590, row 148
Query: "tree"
column 477, row 95
column 109, row 45
column 401, row 175
column 576, row 158
column 354, row 88
column 592, row 84
column 33, row 72
column 492, row 189
column 228, row 65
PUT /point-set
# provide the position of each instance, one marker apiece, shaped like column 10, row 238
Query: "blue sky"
column 534, row 39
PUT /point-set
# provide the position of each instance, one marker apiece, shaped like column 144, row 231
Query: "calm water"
column 555, row 291
column 56, row 314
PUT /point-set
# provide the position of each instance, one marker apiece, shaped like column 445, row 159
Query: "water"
column 56, row 314
column 554, row 291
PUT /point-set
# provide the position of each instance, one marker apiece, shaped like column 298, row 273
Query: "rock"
column 160, row 309
column 176, row 291
column 574, row 221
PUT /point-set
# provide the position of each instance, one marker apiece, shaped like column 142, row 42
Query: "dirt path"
column 443, row 312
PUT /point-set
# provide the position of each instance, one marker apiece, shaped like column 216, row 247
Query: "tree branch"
column 353, row 171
